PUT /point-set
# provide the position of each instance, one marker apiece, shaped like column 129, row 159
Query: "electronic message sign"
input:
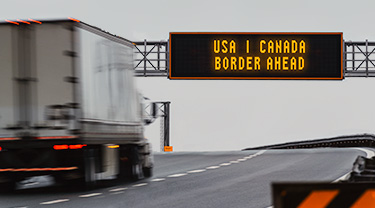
column 255, row 55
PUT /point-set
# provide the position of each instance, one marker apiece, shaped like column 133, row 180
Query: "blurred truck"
column 69, row 107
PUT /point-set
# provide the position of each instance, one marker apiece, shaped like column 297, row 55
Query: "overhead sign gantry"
column 152, row 58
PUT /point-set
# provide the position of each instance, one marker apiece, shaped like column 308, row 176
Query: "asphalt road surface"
column 196, row 179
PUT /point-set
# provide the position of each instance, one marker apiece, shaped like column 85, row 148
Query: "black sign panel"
column 255, row 55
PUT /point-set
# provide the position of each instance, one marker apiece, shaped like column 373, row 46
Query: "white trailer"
column 68, row 104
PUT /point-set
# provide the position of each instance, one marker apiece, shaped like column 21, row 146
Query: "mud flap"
column 90, row 167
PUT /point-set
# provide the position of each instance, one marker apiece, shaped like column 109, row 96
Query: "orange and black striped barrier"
column 324, row 195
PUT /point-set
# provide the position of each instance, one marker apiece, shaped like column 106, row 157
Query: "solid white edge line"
column 90, row 195
column 341, row 178
column 55, row 201
column 369, row 153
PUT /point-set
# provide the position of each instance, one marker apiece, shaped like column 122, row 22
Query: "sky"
column 216, row 115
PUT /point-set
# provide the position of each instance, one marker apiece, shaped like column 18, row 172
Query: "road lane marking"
column 225, row 164
column 241, row 160
column 197, row 171
column 177, row 175
column 158, row 179
column 212, row 167
column 234, row 162
column 118, row 189
column 260, row 152
column 342, row 178
column 119, row 192
column 90, row 195
column 55, row 201
column 139, row 185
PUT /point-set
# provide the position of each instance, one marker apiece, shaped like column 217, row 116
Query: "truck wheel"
column 147, row 172
column 137, row 172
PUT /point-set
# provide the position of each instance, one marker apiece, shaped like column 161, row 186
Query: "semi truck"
column 69, row 106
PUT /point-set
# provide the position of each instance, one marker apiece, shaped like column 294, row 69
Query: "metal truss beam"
column 359, row 59
column 151, row 58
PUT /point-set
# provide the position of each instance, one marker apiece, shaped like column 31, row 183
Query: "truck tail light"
column 65, row 146
column 60, row 147
column 1, row 148
column 76, row 146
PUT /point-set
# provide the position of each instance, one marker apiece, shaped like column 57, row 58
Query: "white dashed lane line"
column 54, row 201
column 90, row 195
column 177, row 175
column 158, row 179
column 139, row 185
column 212, row 167
column 197, row 171
column 117, row 189
column 225, row 164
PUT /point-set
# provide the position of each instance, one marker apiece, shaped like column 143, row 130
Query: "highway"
column 197, row 179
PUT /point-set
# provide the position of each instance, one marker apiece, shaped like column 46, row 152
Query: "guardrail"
column 365, row 140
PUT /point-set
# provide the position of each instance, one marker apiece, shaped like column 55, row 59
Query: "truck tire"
column 137, row 172
column 136, row 163
column 147, row 172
